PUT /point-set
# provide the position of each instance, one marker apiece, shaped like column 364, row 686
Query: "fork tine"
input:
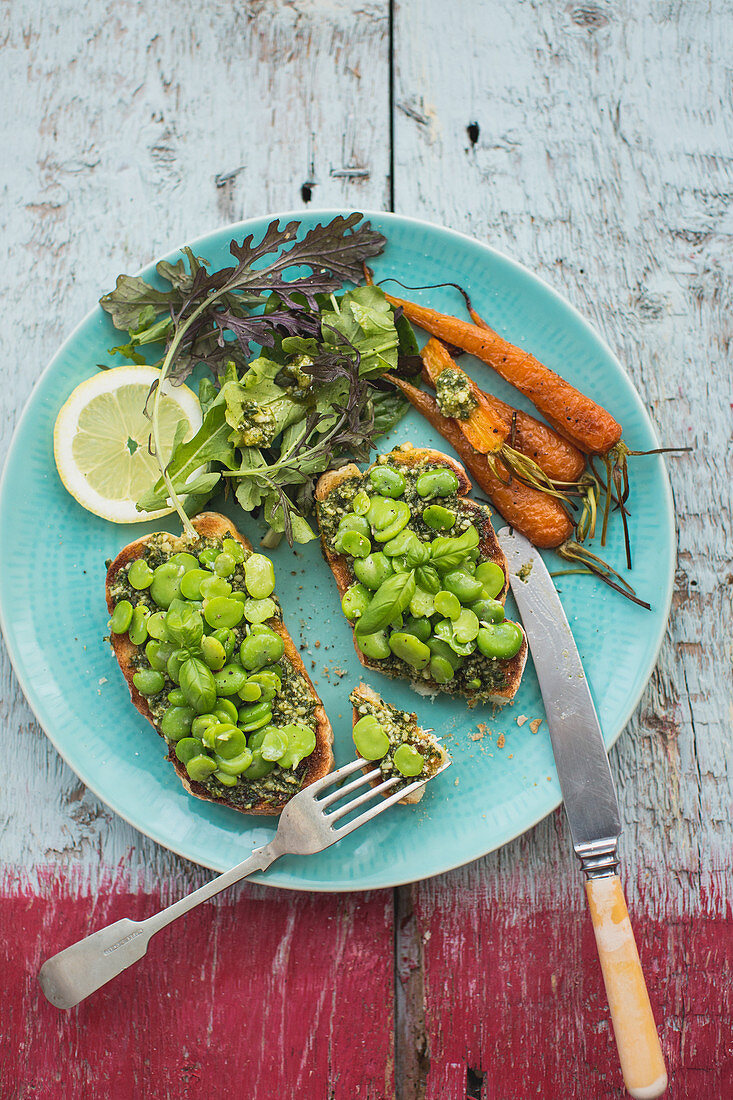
column 335, row 777
column 342, row 830
column 350, row 806
column 354, row 785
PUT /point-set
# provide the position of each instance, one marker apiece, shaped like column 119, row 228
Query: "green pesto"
column 338, row 501
column 257, row 426
column 453, row 391
column 401, row 728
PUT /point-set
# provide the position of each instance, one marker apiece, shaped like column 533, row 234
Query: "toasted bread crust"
column 488, row 547
column 320, row 762
column 369, row 695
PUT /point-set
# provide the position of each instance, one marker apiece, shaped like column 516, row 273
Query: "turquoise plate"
column 503, row 778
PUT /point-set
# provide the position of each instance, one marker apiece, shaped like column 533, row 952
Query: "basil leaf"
column 428, row 579
column 389, row 601
column 198, row 685
column 184, row 626
column 449, row 553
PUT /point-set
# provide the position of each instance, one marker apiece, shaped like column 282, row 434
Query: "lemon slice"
column 100, row 441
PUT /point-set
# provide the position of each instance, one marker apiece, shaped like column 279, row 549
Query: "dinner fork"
column 305, row 827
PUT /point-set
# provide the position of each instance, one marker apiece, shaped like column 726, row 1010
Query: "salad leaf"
column 177, row 275
column 365, row 319
column 129, row 298
column 263, row 328
column 335, row 252
column 257, row 408
column 281, row 515
column 149, row 331
column 210, row 444
column 389, row 408
column 271, row 425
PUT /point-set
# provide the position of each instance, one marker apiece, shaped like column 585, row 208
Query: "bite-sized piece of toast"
column 489, row 550
column 212, row 525
column 397, row 723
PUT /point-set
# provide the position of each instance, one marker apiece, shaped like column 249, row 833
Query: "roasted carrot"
column 485, row 431
column 557, row 457
column 577, row 417
column 538, row 516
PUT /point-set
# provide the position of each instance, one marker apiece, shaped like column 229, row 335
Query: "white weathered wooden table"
column 590, row 141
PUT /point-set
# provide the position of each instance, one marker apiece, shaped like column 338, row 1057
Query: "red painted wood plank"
column 513, row 990
column 279, row 994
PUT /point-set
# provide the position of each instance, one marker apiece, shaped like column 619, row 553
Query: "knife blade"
column 577, row 741
column 592, row 809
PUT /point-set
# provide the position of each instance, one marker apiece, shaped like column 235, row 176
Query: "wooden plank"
column 135, row 129
column 514, row 993
column 173, row 122
column 587, row 141
column 271, row 990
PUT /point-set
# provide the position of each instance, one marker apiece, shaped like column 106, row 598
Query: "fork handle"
column 640, row 1054
column 71, row 975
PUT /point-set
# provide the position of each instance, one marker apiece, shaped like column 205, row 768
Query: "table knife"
column 591, row 807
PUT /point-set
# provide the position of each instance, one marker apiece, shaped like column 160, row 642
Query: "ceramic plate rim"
column 666, row 507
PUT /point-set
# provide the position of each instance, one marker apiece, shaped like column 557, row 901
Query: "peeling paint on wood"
column 588, row 142
column 585, row 139
column 243, row 997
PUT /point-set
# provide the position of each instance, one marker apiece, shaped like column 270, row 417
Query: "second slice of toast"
column 336, row 489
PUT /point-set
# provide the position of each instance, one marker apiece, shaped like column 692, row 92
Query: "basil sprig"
column 449, row 553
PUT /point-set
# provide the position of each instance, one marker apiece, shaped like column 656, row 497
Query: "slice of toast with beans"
column 198, row 633
column 421, row 575
column 394, row 742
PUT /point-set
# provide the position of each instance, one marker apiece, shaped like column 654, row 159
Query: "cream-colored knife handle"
column 639, row 1051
